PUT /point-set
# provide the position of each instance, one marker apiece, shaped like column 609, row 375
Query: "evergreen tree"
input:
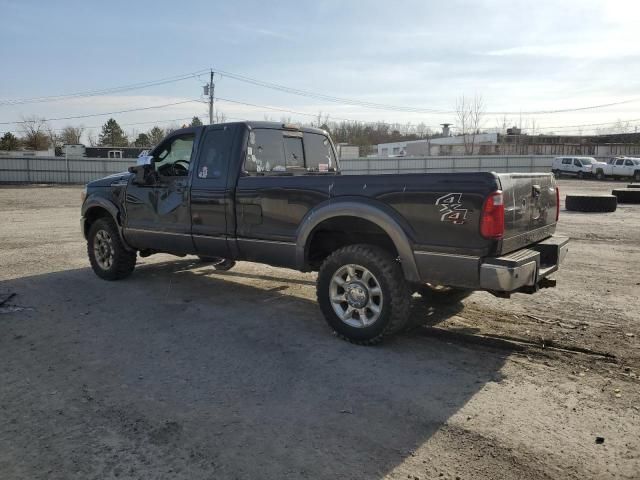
column 9, row 142
column 142, row 140
column 196, row 122
column 112, row 135
column 156, row 134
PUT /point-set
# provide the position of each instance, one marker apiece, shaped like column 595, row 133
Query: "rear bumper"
column 521, row 270
column 525, row 267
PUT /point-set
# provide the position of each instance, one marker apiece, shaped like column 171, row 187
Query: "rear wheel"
column 636, row 176
column 108, row 255
column 556, row 173
column 599, row 175
column 363, row 294
column 580, row 175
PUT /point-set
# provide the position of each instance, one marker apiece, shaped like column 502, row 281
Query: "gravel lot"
column 183, row 372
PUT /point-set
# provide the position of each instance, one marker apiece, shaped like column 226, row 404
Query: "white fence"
column 60, row 170
column 476, row 163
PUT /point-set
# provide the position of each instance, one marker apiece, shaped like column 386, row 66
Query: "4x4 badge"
column 451, row 208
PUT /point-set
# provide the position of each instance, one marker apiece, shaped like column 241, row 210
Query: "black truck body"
column 273, row 193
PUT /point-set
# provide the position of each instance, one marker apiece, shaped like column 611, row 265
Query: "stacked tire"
column 627, row 195
column 591, row 203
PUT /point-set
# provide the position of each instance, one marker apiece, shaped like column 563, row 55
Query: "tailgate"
column 530, row 204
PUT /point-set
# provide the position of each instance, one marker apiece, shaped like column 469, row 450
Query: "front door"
column 212, row 209
column 157, row 216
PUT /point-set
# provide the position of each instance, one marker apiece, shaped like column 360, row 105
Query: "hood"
column 110, row 179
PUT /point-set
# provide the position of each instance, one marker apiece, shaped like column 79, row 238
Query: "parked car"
column 273, row 193
column 619, row 167
column 580, row 167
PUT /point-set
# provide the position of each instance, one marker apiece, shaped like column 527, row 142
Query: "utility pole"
column 211, row 92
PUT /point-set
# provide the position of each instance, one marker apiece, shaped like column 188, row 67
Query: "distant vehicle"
column 619, row 167
column 580, row 167
column 273, row 193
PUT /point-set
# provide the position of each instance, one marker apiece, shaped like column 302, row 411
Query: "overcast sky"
column 519, row 55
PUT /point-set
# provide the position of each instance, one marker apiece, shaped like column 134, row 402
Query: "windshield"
column 587, row 160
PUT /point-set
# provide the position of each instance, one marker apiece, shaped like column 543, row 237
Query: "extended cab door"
column 157, row 214
column 286, row 173
column 212, row 210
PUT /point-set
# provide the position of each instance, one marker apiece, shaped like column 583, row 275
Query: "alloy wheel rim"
column 103, row 249
column 356, row 296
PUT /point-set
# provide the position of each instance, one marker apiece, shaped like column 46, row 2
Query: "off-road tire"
column 124, row 260
column 591, row 203
column 395, row 293
column 219, row 263
column 436, row 296
column 627, row 195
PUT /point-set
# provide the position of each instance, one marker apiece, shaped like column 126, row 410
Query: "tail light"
column 492, row 220
column 557, row 203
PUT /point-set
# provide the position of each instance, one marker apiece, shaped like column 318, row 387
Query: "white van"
column 580, row 167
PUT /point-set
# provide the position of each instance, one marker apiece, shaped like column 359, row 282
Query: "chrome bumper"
column 523, row 268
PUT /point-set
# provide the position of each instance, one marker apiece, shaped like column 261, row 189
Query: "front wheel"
column 599, row 175
column 363, row 294
column 109, row 257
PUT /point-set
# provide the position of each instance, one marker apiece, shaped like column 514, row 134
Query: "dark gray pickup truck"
column 273, row 193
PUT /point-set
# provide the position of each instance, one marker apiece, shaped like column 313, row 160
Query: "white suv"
column 577, row 166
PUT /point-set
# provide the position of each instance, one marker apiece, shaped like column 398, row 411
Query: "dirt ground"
column 183, row 372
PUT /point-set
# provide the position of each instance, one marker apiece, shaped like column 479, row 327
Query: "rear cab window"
column 285, row 152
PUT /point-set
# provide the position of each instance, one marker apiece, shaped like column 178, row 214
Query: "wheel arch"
column 365, row 210
column 97, row 207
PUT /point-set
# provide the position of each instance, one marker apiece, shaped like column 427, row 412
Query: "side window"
column 566, row 161
column 294, row 154
column 576, row 162
column 319, row 153
column 172, row 158
column 265, row 152
column 628, row 163
column 620, row 162
column 215, row 153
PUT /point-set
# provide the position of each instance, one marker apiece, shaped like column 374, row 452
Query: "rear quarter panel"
column 443, row 209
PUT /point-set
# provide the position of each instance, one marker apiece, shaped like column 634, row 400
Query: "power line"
column 105, row 113
column 362, row 103
column 295, row 112
column 92, row 93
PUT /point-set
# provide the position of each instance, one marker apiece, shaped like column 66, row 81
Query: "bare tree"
column 92, row 137
column 34, row 133
column 219, row 117
column 470, row 113
column 71, row 135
